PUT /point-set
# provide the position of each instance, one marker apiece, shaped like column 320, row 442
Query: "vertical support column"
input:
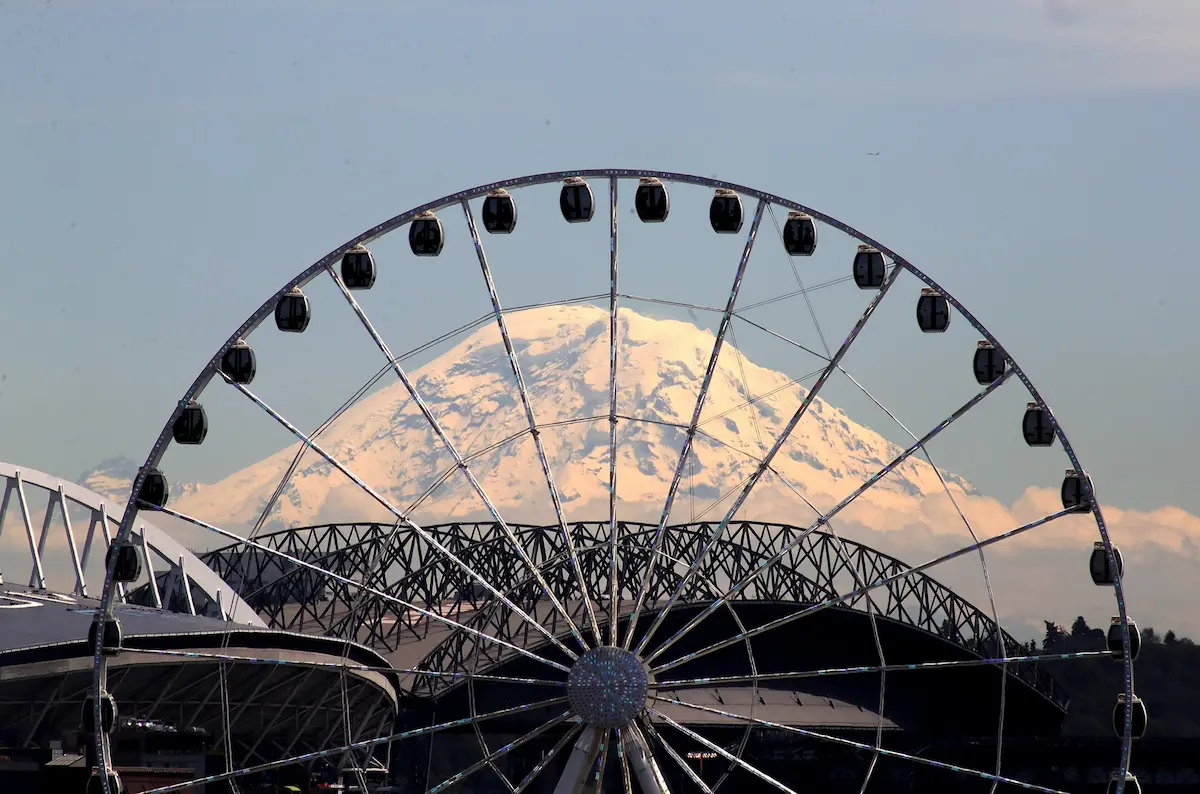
column 80, row 584
column 37, row 575
column 583, row 758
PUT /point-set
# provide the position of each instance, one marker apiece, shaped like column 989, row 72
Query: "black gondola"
column 651, row 200
column 95, row 784
column 1116, row 640
column 191, row 426
column 108, row 714
column 1139, row 718
column 292, row 312
column 1077, row 491
column 129, row 566
column 933, row 311
column 1132, row 786
column 499, row 212
column 575, row 200
column 799, row 234
column 1036, row 426
column 1101, row 570
column 154, row 491
column 725, row 212
column 989, row 364
column 238, row 363
column 869, row 268
column 425, row 236
column 112, row 637
column 358, row 268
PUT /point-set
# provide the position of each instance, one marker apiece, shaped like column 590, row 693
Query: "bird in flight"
column 872, row 154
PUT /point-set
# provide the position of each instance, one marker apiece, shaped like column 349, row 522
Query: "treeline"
column 1166, row 678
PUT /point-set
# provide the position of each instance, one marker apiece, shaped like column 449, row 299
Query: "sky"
column 165, row 167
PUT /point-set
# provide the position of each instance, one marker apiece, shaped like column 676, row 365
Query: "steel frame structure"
column 632, row 742
column 412, row 571
column 176, row 579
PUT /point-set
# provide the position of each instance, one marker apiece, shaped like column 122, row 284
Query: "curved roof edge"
column 106, row 514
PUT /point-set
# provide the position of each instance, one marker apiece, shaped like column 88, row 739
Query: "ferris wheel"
column 597, row 651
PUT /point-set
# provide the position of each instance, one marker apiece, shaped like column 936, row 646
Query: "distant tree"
column 1150, row 636
column 1054, row 637
column 1080, row 627
column 1169, row 638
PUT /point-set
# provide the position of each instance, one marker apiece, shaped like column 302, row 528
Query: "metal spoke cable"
column 440, row 432
column 709, row 372
column 543, row 459
column 779, row 442
column 870, row 482
column 351, row 583
column 883, row 582
column 387, row 505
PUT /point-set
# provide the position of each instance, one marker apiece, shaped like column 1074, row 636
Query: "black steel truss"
column 819, row 567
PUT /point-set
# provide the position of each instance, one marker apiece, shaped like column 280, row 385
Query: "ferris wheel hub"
column 607, row 687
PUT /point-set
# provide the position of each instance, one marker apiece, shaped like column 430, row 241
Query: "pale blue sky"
column 164, row 167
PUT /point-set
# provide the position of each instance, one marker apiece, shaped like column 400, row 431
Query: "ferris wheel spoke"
column 548, row 758
column 348, row 666
column 824, row 519
column 534, row 431
column 500, row 753
column 987, row 578
column 358, row 585
column 882, row 751
column 425, row 535
column 462, row 465
column 721, row 751
column 623, row 758
column 888, row 281
column 673, row 754
column 614, row 590
column 856, row 593
column 360, row 745
column 709, row 372
column 827, row 672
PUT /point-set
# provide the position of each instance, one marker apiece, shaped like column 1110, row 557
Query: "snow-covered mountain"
column 564, row 353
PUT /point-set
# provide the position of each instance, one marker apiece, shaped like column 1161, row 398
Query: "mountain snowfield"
column 564, row 356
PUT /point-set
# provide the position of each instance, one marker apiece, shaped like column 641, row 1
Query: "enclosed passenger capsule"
column 128, row 567
column 425, row 236
column 499, row 212
column 1132, row 786
column 1116, row 639
column 799, row 234
column 1077, row 491
column 191, row 426
column 1139, row 718
column 358, row 268
column 154, row 489
column 989, row 364
column 575, row 200
column 1100, row 568
column 238, row 363
column 111, row 636
column 108, row 714
column 95, row 784
column 651, row 200
column 1036, row 426
column 292, row 312
column 933, row 311
column 725, row 212
column 869, row 268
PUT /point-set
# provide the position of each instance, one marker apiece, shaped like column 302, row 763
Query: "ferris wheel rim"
column 462, row 197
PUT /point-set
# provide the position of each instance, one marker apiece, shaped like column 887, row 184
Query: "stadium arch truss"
column 581, row 639
column 174, row 578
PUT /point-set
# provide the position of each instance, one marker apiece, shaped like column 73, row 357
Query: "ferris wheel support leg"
column 645, row 769
column 580, row 763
